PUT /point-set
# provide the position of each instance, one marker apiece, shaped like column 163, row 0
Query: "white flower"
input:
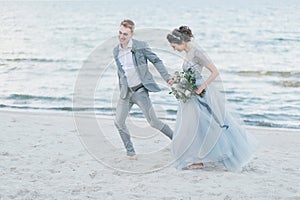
column 183, row 80
column 174, row 86
column 187, row 93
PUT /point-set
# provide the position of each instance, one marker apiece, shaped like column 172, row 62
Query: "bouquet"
column 185, row 85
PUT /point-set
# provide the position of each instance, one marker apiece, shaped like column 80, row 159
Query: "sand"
column 48, row 156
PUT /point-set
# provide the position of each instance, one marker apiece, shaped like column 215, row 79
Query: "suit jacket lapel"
column 133, row 51
column 121, row 72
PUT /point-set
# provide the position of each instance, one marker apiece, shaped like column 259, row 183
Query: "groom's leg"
column 167, row 131
column 141, row 98
column 122, row 110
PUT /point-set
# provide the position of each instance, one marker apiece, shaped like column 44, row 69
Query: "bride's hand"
column 200, row 89
column 170, row 81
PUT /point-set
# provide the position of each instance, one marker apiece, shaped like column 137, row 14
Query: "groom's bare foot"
column 133, row 157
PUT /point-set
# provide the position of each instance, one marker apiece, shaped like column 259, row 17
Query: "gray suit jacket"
column 141, row 53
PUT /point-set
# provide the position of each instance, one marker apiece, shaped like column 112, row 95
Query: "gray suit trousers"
column 140, row 98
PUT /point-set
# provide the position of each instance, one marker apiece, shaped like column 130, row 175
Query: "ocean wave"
column 7, row 70
column 250, row 119
column 294, row 84
column 40, row 60
column 42, row 108
column 287, row 39
column 271, row 124
column 171, row 112
column 34, row 97
column 269, row 73
column 64, row 108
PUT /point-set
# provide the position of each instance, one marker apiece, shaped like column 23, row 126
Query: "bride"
column 206, row 130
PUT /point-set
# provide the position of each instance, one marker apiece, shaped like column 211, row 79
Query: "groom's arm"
column 157, row 62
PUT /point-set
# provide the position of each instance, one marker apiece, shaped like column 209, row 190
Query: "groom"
column 135, row 81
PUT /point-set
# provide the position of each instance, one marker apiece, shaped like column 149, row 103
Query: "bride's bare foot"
column 194, row 166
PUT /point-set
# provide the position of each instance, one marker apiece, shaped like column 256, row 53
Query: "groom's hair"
column 128, row 24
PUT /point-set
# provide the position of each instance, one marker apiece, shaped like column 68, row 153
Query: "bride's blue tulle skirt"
column 207, row 131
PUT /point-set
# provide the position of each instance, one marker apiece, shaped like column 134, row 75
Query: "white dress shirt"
column 125, row 57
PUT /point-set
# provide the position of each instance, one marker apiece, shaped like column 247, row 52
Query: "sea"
column 45, row 47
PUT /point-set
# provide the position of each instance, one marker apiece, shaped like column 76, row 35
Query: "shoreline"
column 71, row 114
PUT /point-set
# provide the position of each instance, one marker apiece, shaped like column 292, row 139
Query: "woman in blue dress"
column 206, row 130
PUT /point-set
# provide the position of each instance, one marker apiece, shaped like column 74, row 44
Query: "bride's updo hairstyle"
column 183, row 34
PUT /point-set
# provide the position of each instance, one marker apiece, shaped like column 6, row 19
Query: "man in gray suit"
column 135, row 81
